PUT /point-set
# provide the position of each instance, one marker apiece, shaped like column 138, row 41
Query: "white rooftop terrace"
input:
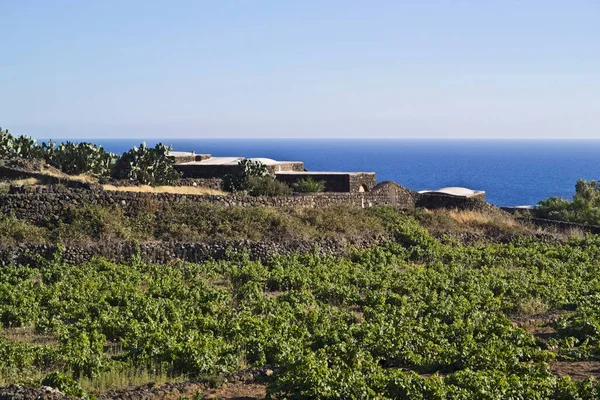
column 320, row 173
column 181, row 153
column 235, row 161
column 216, row 161
column 455, row 191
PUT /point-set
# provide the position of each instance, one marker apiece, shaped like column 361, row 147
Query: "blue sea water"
column 512, row 172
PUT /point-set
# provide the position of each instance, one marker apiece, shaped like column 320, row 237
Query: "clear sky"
column 287, row 68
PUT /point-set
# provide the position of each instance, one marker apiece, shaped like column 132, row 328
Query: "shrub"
column 82, row 158
column 584, row 208
column 145, row 165
column 309, row 185
column 64, row 383
column 20, row 146
column 13, row 230
column 92, row 222
column 238, row 180
column 266, row 186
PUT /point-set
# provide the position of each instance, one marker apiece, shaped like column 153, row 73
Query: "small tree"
column 147, row 165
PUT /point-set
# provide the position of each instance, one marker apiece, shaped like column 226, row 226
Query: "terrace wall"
column 168, row 252
column 42, row 203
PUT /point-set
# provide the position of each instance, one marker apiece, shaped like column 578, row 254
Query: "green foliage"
column 19, row 146
column 189, row 222
column 96, row 223
column 13, row 230
column 416, row 318
column 64, row 383
column 147, row 165
column 82, row 158
column 266, row 186
column 309, row 185
column 246, row 169
column 584, row 208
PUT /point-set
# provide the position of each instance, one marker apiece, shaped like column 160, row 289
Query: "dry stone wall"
column 41, row 203
column 169, row 252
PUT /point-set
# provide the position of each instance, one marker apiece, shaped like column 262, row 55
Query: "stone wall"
column 393, row 194
column 39, row 204
column 362, row 182
column 297, row 166
column 168, row 252
column 563, row 225
column 439, row 200
column 43, row 202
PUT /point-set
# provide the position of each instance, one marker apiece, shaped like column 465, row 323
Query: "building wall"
column 364, row 181
column 287, row 166
column 343, row 183
column 438, row 200
column 183, row 159
column 204, row 171
column 217, row 171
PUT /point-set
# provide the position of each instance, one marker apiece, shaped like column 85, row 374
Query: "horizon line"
column 319, row 138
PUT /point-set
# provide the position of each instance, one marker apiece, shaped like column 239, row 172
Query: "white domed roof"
column 455, row 191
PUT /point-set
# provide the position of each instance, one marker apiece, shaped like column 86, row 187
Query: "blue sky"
column 329, row 68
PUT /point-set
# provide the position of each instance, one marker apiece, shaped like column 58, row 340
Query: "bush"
column 82, row 225
column 64, row 383
column 309, row 185
column 82, row 158
column 145, row 165
column 238, row 180
column 14, row 231
column 266, row 186
column 20, row 146
column 584, row 208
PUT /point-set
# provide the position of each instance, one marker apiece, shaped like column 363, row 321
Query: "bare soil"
column 578, row 370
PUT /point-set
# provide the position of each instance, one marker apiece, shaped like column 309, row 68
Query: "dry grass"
column 53, row 172
column 26, row 335
column 197, row 190
column 126, row 378
column 478, row 218
column 531, row 307
column 5, row 185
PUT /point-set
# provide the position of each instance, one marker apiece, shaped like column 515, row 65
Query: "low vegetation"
column 418, row 317
column 141, row 164
column 190, row 222
column 150, row 166
column 584, row 207
column 254, row 178
column 309, row 185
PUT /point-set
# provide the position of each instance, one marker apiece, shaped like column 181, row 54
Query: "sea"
column 511, row 172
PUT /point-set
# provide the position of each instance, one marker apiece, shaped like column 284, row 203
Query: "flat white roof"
column 270, row 161
column 181, row 154
column 455, row 191
column 234, row 161
column 216, row 161
column 320, row 173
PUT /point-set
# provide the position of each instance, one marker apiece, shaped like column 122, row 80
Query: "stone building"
column 205, row 166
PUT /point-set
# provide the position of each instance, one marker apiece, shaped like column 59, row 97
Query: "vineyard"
column 423, row 317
